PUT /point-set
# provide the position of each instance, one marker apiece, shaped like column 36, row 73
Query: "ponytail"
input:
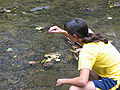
column 94, row 38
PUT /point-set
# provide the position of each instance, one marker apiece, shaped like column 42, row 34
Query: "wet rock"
column 112, row 34
column 89, row 10
column 48, row 64
column 116, row 4
column 40, row 8
column 112, row 42
column 32, row 62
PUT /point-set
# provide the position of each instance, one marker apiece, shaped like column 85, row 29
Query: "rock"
column 47, row 64
column 40, row 8
column 32, row 62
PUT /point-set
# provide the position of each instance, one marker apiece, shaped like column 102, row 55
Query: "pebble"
column 32, row 62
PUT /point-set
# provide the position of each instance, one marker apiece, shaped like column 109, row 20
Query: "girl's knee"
column 71, row 88
column 90, row 86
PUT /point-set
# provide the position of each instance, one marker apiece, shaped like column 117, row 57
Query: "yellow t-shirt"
column 103, row 58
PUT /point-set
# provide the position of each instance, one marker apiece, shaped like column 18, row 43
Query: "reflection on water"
column 20, row 42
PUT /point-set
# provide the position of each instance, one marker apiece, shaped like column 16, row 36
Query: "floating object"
column 43, row 61
column 75, row 49
column 39, row 28
column 50, row 58
column 109, row 18
column 32, row 62
column 74, row 43
column 76, row 54
column 115, row 4
column 5, row 10
column 18, row 66
column 13, row 64
column 53, row 55
column 8, row 11
column 40, row 8
column 24, row 13
column 15, row 56
column 89, row 9
column 69, row 41
column 57, row 60
column 9, row 49
column 111, row 6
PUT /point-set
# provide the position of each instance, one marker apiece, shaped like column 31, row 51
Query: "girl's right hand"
column 56, row 29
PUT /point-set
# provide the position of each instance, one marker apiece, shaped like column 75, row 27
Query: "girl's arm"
column 56, row 29
column 80, row 81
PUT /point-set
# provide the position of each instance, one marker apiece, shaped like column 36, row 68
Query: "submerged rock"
column 39, row 8
column 48, row 64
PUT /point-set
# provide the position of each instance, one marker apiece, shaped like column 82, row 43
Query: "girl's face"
column 74, row 38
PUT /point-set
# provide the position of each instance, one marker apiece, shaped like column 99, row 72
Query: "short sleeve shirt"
column 103, row 58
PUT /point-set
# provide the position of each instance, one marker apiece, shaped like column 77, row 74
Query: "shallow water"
column 20, row 42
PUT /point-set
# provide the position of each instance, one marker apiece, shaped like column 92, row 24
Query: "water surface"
column 18, row 33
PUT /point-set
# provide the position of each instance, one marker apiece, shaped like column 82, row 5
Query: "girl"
column 97, row 53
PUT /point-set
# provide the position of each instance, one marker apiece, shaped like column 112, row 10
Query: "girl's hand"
column 55, row 29
column 60, row 82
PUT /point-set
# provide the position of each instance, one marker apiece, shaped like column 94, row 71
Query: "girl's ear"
column 75, row 36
